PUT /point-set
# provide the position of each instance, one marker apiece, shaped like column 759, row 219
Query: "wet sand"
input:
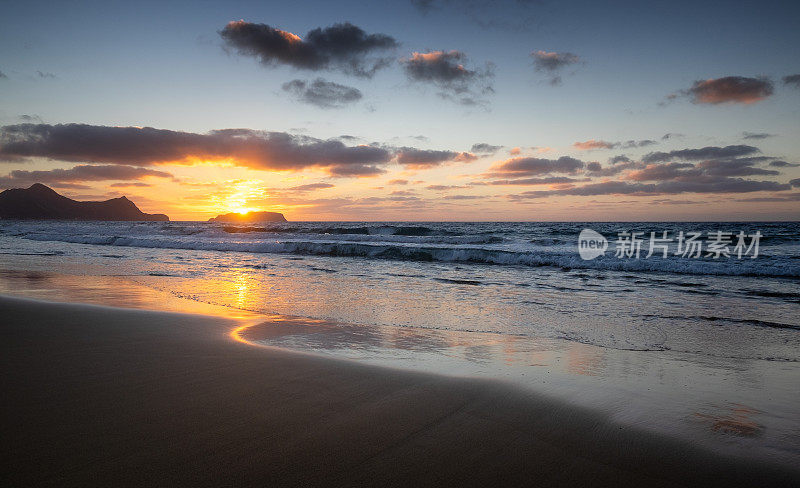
column 98, row 396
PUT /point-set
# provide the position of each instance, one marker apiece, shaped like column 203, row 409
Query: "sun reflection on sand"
column 735, row 418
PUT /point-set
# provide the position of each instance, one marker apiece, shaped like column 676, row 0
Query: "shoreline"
column 130, row 397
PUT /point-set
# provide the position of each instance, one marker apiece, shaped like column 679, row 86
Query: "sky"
column 413, row 110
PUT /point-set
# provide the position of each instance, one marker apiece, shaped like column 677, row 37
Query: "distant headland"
column 40, row 202
column 249, row 217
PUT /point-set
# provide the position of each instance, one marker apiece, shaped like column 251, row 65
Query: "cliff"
column 249, row 218
column 40, row 202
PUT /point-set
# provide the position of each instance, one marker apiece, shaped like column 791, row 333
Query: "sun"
column 239, row 193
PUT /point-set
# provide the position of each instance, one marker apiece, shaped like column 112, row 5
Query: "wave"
column 565, row 258
column 378, row 230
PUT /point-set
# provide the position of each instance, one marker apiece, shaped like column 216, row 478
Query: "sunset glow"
column 362, row 120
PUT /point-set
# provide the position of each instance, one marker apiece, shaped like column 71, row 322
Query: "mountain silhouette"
column 40, row 202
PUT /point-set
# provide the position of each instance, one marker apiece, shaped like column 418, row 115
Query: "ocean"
column 700, row 346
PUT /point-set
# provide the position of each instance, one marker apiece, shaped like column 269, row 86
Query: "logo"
column 591, row 244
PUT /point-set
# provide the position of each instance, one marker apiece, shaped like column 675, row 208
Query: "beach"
column 118, row 397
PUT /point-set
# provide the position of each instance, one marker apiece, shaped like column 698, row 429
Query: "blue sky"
column 165, row 65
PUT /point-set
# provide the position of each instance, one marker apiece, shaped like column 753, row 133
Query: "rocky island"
column 249, row 218
column 40, row 202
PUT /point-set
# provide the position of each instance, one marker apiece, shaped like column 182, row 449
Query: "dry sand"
column 96, row 396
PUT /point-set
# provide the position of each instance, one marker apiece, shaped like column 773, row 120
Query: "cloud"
column 550, row 180
column 484, row 148
column 709, row 152
column 321, row 93
column 446, row 71
column 671, row 135
column 596, row 169
column 619, row 159
column 445, row 187
column 128, row 184
column 792, row 80
column 756, row 135
column 791, row 197
column 310, row 187
column 640, row 143
column 795, row 182
column 355, row 170
column 424, row 6
column 783, row 164
column 397, row 182
column 29, row 118
column 3, row 75
column 553, row 62
column 425, row 158
column 733, row 167
column 342, row 47
column 463, row 197
column 145, row 146
column 519, row 167
column 592, row 144
column 507, row 15
column 42, row 74
column 78, row 174
column 730, row 89
column 404, row 192
column 724, row 185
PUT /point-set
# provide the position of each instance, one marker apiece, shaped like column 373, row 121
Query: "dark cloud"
column 596, row 169
column 670, row 135
column 147, row 146
column 756, row 135
column 553, row 62
column 518, row 167
column 783, row 164
column 3, row 75
column 705, row 171
column 723, row 185
column 342, row 47
column 792, row 80
column 795, row 182
column 463, row 197
column 324, row 94
column 425, row 158
column 397, row 182
column 733, row 167
column 709, row 152
column 355, row 170
column 640, row 143
column 138, row 184
column 484, row 148
column 445, row 187
column 77, row 174
column 550, row 180
column 619, row 159
column 446, row 71
column 730, row 89
column 310, row 187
